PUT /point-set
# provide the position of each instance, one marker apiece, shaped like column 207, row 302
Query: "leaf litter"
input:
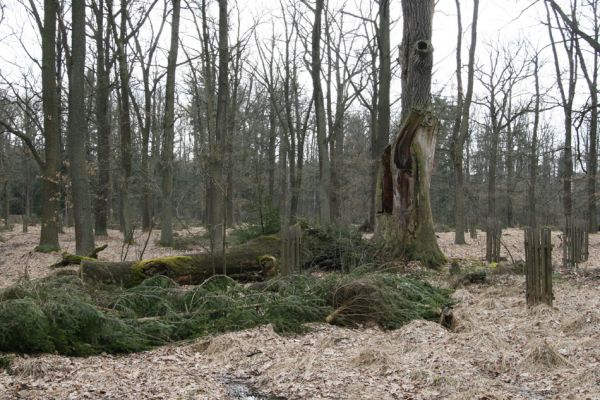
column 499, row 349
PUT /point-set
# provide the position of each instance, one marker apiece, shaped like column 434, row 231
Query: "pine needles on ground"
column 61, row 314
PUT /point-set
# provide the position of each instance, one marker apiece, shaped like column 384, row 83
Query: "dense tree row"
column 142, row 115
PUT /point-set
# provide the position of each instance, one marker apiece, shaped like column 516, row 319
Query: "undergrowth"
column 265, row 221
column 60, row 314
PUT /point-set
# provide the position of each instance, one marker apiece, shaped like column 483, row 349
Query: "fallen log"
column 74, row 259
column 255, row 260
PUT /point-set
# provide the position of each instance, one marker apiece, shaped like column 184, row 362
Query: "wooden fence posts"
column 538, row 260
column 493, row 236
column 575, row 244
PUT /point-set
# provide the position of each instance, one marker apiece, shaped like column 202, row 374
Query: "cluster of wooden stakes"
column 538, row 256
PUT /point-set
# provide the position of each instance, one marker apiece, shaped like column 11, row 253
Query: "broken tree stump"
column 538, row 261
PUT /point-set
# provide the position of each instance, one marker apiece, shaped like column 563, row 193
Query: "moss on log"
column 74, row 259
column 252, row 261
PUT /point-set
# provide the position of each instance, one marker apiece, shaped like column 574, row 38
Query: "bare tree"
column 166, row 219
column 591, row 77
column 322, row 140
column 82, row 204
column 102, row 36
column 461, row 124
column 567, row 96
column 51, row 165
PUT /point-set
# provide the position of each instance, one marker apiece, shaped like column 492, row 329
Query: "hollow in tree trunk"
column 408, row 229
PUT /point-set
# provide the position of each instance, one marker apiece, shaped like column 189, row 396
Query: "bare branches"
column 573, row 25
column 9, row 128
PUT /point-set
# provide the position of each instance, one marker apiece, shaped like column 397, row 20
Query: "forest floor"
column 499, row 349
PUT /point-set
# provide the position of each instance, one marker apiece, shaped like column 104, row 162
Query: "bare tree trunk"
column 509, row 170
column 217, row 228
column 271, row 155
column 322, row 142
column 461, row 127
column 124, row 118
column 166, row 219
column 567, row 105
column 533, row 163
column 82, row 204
column 51, row 167
column 103, row 125
column 591, row 78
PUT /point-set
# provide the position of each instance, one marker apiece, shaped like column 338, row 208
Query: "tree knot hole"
column 424, row 46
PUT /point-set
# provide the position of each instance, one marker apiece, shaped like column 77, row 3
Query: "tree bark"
column 103, row 126
column 567, row 106
column 217, row 226
column 591, row 78
column 166, row 220
column 461, row 127
column 322, row 141
column 124, row 119
column 82, row 204
column 51, row 166
column 409, row 228
column 533, row 161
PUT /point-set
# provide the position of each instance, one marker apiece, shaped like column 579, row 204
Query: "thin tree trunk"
column 322, row 142
column 533, row 163
column 166, row 220
column 217, row 228
column 591, row 78
column 461, row 127
column 567, row 105
column 103, row 125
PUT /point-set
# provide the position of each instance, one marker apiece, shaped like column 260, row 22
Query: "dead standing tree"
column 409, row 227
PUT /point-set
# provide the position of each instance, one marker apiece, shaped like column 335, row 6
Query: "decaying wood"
column 253, row 261
column 74, row 259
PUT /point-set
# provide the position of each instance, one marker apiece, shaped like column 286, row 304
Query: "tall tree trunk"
column 4, row 182
column 217, row 228
column 461, row 126
column 567, row 106
column 166, row 219
column 509, row 169
column 50, row 179
column 82, row 204
column 103, row 125
column 124, row 119
column 410, row 227
column 322, row 142
column 271, row 156
column 591, row 78
column 533, row 156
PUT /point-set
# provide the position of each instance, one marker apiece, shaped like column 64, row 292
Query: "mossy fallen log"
column 255, row 260
column 74, row 259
